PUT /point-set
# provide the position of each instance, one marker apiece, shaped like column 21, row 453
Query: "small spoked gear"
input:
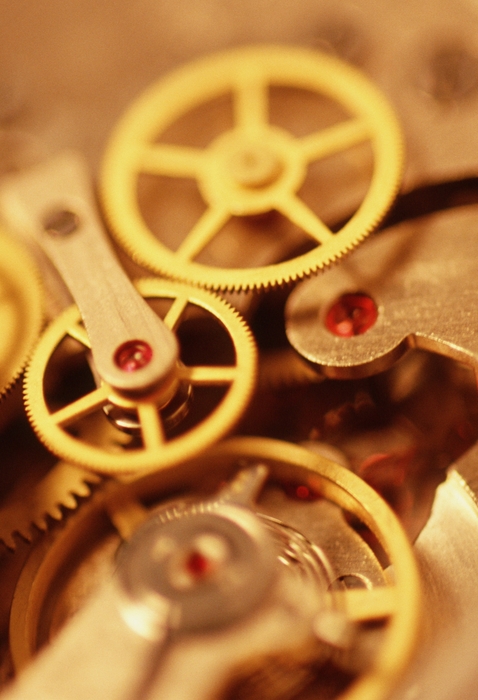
column 162, row 428
column 253, row 168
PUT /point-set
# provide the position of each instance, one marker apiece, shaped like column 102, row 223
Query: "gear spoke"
column 78, row 332
column 151, row 425
column 299, row 213
column 172, row 160
column 257, row 166
column 206, row 525
column 87, row 404
column 111, row 454
column 203, row 232
column 175, row 311
column 362, row 604
column 209, row 375
column 334, row 139
column 251, row 103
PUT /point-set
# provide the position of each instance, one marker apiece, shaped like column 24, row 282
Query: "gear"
column 162, row 430
column 44, row 493
column 302, row 489
column 255, row 167
column 21, row 312
column 58, row 489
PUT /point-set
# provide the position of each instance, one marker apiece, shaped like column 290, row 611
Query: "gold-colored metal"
column 54, row 206
column 41, row 604
column 284, row 367
column 157, row 449
column 253, row 168
column 21, row 314
column 36, row 502
column 38, row 496
column 422, row 277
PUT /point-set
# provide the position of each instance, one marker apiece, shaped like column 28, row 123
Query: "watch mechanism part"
column 165, row 426
column 213, row 565
column 326, row 545
column 32, row 504
column 445, row 660
column 421, row 278
column 44, row 492
column 189, row 183
column 253, row 168
column 132, row 349
column 37, row 490
column 21, row 312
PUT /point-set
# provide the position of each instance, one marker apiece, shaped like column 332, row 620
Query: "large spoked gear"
column 165, row 427
column 253, row 168
column 324, row 521
column 21, row 312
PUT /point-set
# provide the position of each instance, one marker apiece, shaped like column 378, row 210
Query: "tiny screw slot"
column 61, row 222
column 351, row 314
column 133, row 355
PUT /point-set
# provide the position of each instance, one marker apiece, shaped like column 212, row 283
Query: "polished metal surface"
column 421, row 276
column 373, row 365
column 113, row 312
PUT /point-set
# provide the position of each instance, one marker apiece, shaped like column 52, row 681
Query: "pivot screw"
column 351, row 314
column 62, row 222
column 133, row 355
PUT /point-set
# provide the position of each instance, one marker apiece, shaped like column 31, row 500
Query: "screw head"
column 351, row 314
column 61, row 222
column 133, row 355
column 202, row 559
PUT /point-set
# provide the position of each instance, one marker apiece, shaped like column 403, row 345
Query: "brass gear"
column 157, row 449
column 61, row 573
column 58, row 489
column 43, row 493
column 255, row 167
column 21, row 313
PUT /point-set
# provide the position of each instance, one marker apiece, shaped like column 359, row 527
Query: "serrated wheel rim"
column 155, row 455
column 46, row 500
column 287, row 462
column 128, row 154
column 21, row 309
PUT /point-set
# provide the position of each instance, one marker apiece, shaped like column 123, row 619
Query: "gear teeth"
column 58, row 490
column 269, row 281
column 80, row 486
column 41, row 524
column 83, row 490
column 21, row 278
column 69, row 501
column 287, row 66
column 42, row 584
column 99, row 446
column 9, row 541
column 55, row 512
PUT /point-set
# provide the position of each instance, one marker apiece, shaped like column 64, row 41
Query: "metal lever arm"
column 132, row 348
